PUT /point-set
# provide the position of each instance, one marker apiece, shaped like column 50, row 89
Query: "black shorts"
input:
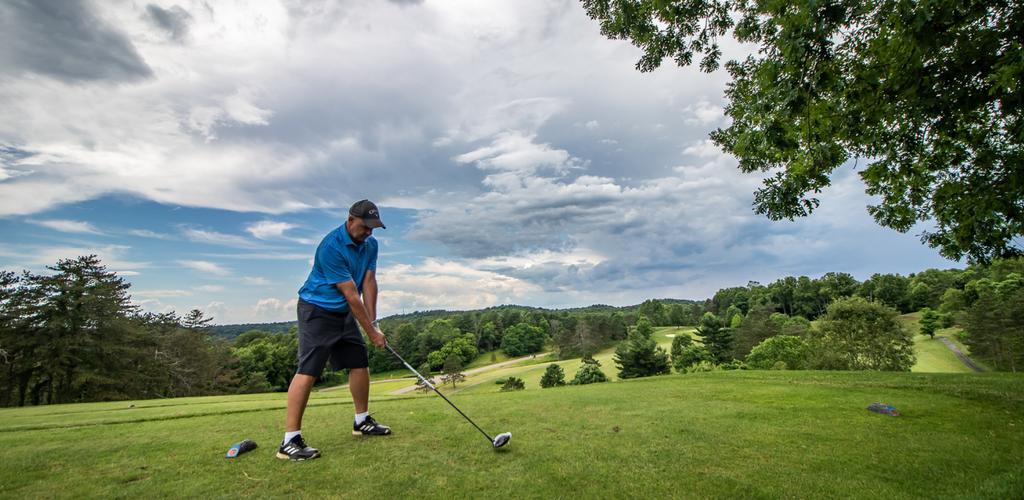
column 328, row 335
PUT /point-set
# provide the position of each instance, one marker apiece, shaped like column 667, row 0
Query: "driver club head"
column 501, row 439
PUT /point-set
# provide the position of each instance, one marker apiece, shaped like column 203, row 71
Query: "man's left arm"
column 370, row 294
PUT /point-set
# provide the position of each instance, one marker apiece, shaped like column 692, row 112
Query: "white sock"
column 289, row 435
column 361, row 416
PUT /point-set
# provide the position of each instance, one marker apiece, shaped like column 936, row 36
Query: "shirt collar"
column 345, row 238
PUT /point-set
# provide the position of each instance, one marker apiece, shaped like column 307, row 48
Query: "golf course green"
column 730, row 434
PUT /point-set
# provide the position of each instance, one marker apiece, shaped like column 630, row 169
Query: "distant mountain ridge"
column 231, row 331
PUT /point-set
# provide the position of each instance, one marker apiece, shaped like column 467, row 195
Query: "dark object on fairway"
column 883, row 409
column 238, row 449
column 497, row 442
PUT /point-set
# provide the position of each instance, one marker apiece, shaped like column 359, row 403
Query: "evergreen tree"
column 513, row 384
column 589, row 374
column 554, row 376
column 643, row 327
column 78, row 337
column 716, row 338
column 994, row 323
column 680, row 342
column 640, row 356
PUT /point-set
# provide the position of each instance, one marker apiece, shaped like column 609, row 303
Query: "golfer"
column 329, row 307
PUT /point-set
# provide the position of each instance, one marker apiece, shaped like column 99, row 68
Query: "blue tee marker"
column 239, row 448
column 883, row 409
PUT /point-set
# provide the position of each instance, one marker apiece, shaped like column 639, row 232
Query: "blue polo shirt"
column 338, row 259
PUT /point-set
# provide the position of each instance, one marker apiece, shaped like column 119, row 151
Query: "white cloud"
column 274, row 230
column 267, row 229
column 257, row 281
column 704, row 113
column 208, row 288
column 216, row 238
column 36, row 258
column 237, row 108
column 206, row 267
column 67, row 226
column 275, row 308
column 161, row 293
column 703, row 148
column 146, row 233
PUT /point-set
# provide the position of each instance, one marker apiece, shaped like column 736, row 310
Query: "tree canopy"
column 927, row 93
column 859, row 335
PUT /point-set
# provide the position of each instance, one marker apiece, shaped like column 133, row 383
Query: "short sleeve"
column 333, row 264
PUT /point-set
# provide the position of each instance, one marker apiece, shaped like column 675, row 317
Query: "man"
column 329, row 308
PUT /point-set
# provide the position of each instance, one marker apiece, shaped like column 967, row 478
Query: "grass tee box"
column 738, row 434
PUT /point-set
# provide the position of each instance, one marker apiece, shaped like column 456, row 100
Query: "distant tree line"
column 855, row 323
column 72, row 335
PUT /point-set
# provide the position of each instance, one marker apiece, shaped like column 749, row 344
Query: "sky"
column 202, row 149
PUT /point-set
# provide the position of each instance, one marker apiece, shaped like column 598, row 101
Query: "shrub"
column 501, row 381
column 789, row 349
column 690, row 355
column 780, row 365
column 554, row 376
column 859, row 335
column 513, row 384
column 589, row 374
column 703, row 366
column 733, row 365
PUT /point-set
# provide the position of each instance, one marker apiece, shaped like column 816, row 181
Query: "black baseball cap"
column 367, row 211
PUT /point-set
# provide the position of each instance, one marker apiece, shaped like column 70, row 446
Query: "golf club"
column 498, row 441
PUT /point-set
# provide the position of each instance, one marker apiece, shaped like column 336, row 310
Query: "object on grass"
column 238, row 449
column 883, row 409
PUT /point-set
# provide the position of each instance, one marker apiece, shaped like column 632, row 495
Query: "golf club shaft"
column 425, row 381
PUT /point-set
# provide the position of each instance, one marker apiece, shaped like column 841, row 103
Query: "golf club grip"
column 388, row 347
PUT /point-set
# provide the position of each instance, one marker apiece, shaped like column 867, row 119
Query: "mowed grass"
column 934, row 356
column 740, row 434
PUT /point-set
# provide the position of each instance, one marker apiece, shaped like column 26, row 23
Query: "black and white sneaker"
column 370, row 427
column 296, row 449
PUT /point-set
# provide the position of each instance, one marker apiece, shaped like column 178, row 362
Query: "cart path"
column 471, row 372
column 412, row 388
column 374, row 382
column 956, row 350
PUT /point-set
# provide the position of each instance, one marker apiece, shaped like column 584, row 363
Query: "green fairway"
column 740, row 434
column 935, row 356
